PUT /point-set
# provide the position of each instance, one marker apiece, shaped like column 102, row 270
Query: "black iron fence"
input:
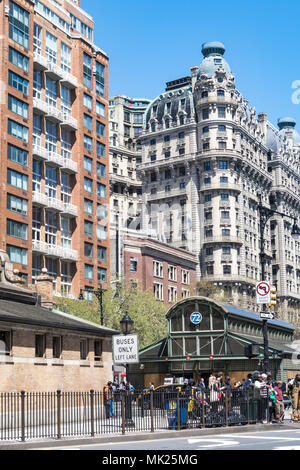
column 38, row 415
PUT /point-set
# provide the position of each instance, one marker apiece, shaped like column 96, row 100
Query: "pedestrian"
column 108, row 400
column 220, row 381
column 261, row 390
column 226, row 390
column 294, row 392
column 201, row 384
column 271, row 395
column 213, row 393
column 151, row 386
column 279, row 406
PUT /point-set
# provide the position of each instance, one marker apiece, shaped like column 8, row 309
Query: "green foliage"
column 148, row 314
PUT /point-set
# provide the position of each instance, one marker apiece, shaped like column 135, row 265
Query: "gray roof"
column 36, row 315
column 254, row 316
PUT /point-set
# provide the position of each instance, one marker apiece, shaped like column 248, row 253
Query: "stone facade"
column 207, row 159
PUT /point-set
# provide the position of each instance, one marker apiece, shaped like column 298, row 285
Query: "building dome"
column 288, row 124
column 213, row 58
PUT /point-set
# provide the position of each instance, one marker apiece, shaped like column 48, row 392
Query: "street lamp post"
column 126, row 325
column 99, row 294
column 264, row 215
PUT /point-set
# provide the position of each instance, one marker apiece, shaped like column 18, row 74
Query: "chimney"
column 44, row 287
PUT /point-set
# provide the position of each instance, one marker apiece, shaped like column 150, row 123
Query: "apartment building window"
column 100, row 150
column 101, row 190
column 225, row 232
column 221, row 111
column 205, row 146
column 157, row 269
column 65, row 57
column 185, row 293
column 66, row 188
column 101, row 170
column 101, row 211
column 36, row 130
column 205, row 113
column 17, row 255
column 101, row 253
column 87, row 70
column 98, row 348
column 16, row 229
column 36, row 223
column 17, row 204
column 16, row 179
column 66, row 144
column 138, row 118
column 209, row 270
column 226, row 269
column 88, row 142
column 206, row 166
column 207, row 180
column 226, row 250
column 225, row 214
column 167, row 174
column 88, row 293
column 40, row 345
column 37, row 84
column 5, row 343
column 221, row 128
column 66, row 232
column 158, row 291
column 101, row 232
column 88, row 164
column 208, row 215
column 172, row 273
column 88, row 101
column 19, row 25
column 51, row 136
column 100, row 81
column 182, row 185
column 224, row 196
column 126, row 116
column 208, row 233
column 51, row 181
column 17, row 82
column 88, row 122
column 88, row 228
column 66, row 101
column 220, row 92
column 222, row 145
column 209, row 251
column 56, row 347
column 204, row 94
column 100, row 129
column 15, row 154
column 51, row 92
column 167, row 155
column 172, row 294
column 18, row 59
column 36, row 176
column 223, row 164
column 88, row 184
column 88, row 249
column 88, row 206
column 37, row 41
column 50, row 227
column 168, row 188
column 181, row 171
column 51, row 47
column 17, row 106
column 83, row 349
column 102, row 275
column 89, row 271
column 17, row 130
column 207, row 197
column 181, row 151
column 100, row 109
column 181, row 135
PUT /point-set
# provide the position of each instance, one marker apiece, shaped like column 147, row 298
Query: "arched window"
column 167, row 123
column 153, row 127
column 181, row 119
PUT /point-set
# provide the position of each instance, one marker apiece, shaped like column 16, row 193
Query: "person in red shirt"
column 279, row 405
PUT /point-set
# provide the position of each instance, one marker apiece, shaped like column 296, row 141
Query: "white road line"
column 215, row 443
column 266, row 437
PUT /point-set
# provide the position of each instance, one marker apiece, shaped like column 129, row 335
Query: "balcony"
column 55, row 204
column 68, row 254
column 39, row 152
column 70, row 210
column 69, row 80
column 54, row 159
column 54, row 114
column 55, row 251
column 69, row 122
column 54, row 72
column 39, row 61
column 39, row 199
column 39, row 247
column 228, row 239
column 40, row 106
column 69, row 166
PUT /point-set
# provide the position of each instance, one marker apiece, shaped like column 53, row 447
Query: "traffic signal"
column 252, row 350
column 273, row 298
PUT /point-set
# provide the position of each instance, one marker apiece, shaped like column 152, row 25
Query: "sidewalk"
column 140, row 436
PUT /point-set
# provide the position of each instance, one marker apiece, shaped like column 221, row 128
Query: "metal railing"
column 56, row 415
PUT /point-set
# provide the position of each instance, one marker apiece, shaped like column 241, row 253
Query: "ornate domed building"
column 207, row 160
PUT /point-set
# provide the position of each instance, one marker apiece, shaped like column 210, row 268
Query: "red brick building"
column 170, row 273
column 54, row 144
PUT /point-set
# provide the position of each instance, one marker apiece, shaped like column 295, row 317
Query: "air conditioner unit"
column 6, row 10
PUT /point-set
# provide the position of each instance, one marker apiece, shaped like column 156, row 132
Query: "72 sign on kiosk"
column 263, row 292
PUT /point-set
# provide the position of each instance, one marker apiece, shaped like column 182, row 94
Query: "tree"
column 148, row 314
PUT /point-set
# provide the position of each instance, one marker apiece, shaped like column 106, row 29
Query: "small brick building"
column 42, row 349
column 170, row 273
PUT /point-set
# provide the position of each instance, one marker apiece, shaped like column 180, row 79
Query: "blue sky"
column 150, row 43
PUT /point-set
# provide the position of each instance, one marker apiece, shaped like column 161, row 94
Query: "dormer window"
column 181, row 119
column 218, row 61
column 220, row 93
column 167, row 123
column 204, row 94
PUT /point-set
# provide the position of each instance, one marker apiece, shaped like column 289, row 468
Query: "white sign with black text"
column 267, row 315
column 125, row 349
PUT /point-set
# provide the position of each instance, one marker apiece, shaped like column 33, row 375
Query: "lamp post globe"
column 126, row 324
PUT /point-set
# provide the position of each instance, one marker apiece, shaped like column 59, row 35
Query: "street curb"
column 140, row 437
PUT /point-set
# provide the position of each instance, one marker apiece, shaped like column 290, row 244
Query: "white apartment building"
column 207, row 156
column 125, row 126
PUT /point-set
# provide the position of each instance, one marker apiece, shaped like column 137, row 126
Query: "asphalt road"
column 279, row 439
